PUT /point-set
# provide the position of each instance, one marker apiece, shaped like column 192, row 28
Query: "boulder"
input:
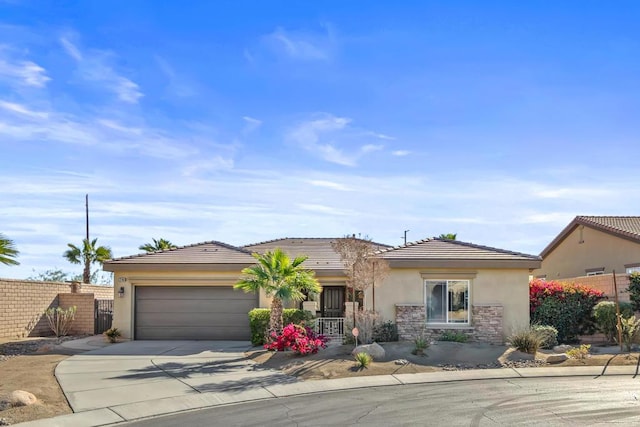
column 17, row 398
column 556, row 358
column 374, row 350
column 562, row 348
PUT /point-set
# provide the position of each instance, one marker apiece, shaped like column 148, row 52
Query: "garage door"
column 192, row 313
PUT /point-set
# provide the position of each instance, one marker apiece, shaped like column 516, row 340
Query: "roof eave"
column 465, row 263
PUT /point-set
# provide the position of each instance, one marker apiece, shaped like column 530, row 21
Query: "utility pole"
column 405, row 236
column 86, row 205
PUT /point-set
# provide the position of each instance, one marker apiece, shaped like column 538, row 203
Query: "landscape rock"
column 556, row 358
column 562, row 348
column 4, row 422
column 401, row 362
column 374, row 350
column 17, row 398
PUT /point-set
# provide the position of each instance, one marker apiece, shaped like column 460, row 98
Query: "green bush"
column 634, row 290
column 606, row 320
column 453, row 336
column 526, row 340
column 629, row 329
column 566, row 306
column 548, row 334
column 259, row 321
column 385, row 332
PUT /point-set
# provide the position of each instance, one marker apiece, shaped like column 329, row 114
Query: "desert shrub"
column 568, row 307
column 548, row 334
column 634, row 290
column 581, row 352
column 606, row 321
column 302, row 340
column 365, row 322
column 385, row 332
column 453, row 336
column 259, row 321
column 526, row 340
column 629, row 328
column 60, row 319
column 112, row 334
column 363, row 360
column 420, row 345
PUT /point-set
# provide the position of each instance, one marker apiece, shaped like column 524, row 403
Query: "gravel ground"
column 12, row 349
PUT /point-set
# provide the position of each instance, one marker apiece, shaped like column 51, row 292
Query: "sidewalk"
column 166, row 406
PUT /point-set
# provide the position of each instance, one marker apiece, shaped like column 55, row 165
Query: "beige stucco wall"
column 510, row 288
column 598, row 249
column 123, row 307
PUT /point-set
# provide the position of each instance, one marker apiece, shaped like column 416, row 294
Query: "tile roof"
column 627, row 227
column 318, row 249
column 211, row 252
column 444, row 249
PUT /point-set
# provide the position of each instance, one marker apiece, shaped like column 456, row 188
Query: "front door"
column 332, row 301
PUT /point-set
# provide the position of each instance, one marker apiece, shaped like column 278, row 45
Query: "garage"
column 192, row 313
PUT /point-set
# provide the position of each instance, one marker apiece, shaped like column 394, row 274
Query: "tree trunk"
column 275, row 321
column 86, row 273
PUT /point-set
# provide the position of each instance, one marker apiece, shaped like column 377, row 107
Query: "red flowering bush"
column 566, row 306
column 302, row 340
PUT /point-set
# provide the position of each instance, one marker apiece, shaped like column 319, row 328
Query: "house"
column 591, row 246
column 437, row 284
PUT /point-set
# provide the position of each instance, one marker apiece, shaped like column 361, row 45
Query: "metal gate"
column 102, row 315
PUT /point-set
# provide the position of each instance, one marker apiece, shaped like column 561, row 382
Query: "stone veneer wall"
column 23, row 302
column 486, row 323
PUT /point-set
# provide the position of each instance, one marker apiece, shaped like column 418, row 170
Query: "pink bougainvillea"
column 301, row 340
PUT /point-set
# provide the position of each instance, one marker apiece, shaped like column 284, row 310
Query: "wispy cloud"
column 21, row 72
column 95, row 66
column 216, row 163
column 333, row 139
column 178, row 84
column 251, row 124
column 401, row 153
column 328, row 184
column 302, row 45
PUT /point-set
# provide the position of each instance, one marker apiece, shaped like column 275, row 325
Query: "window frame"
column 447, row 321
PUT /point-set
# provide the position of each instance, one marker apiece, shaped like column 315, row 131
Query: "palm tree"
column 157, row 245
column 8, row 251
column 448, row 236
column 87, row 255
column 280, row 278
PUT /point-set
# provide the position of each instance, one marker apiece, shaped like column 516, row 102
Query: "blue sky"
column 247, row 121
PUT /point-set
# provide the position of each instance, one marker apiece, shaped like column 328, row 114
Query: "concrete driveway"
column 134, row 377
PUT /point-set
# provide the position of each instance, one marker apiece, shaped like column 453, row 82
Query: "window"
column 632, row 268
column 447, row 301
column 595, row 271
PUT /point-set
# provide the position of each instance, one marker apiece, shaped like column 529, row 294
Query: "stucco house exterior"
column 433, row 285
column 593, row 245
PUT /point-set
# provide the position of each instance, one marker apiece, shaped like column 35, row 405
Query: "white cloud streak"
column 94, row 66
column 21, row 72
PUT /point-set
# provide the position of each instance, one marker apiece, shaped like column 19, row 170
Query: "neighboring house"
column 433, row 284
column 593, row 245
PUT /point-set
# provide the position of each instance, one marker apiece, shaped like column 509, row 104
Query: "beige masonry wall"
column 83, row 321
column 23, row 302
column 489, row 287
column 587, row 248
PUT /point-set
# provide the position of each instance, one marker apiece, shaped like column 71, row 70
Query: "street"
column 532, row 401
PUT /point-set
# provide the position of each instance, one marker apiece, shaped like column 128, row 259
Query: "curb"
column 171, row 405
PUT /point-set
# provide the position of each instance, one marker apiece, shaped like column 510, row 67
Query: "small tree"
column 361, row 266
column 157, row 245
column 8, row 251
column 60, row 319
column 280, row 278
column 89, row 253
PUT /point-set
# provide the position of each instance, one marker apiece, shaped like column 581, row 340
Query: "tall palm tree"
column 448, row 236
column 8, row 251
column 157, row 245
column 88, row 254
column 280, row 278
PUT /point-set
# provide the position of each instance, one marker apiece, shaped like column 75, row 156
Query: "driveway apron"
column 146, row 371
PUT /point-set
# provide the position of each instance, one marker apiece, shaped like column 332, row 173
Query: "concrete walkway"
column 133, row 380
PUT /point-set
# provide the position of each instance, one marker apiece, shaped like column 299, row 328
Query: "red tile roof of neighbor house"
column 626, row 227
